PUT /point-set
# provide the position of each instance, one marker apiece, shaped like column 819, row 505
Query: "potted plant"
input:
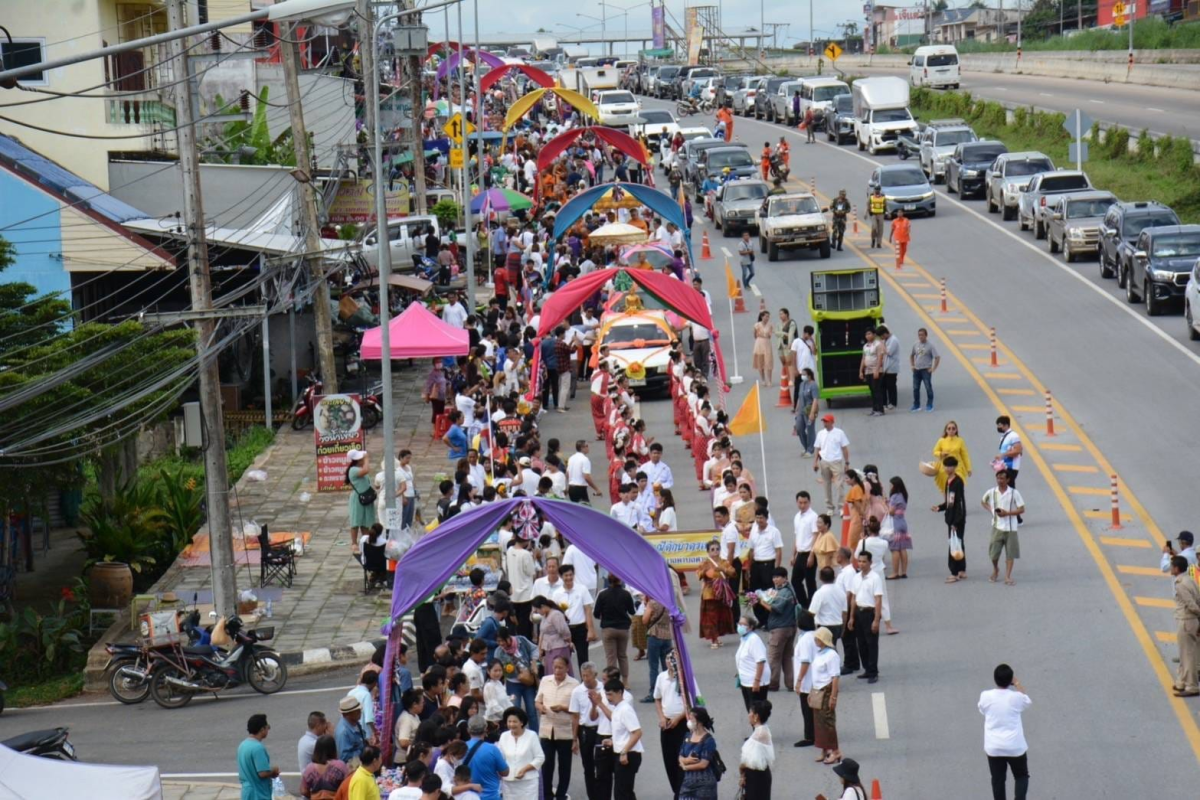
column 121, row 536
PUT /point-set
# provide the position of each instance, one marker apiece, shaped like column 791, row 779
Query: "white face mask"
column 691, row 725
column 742, row 630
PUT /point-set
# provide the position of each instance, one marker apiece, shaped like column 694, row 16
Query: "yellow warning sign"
column 833, row 52
column 456, row 158
column 456, row 128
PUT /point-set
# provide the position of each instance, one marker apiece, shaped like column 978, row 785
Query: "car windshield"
column 891, row 115
column 1064, row 182
column 790, row 206
column 823, row 93
column 1138, row 223
column 666, row 73
column 629, row 335
column 954, row 137
column 1029, row 167
column 844, row 103
column 1089, row 208
column 902, row 177
column 737, row 158
column 1176, row 246
column 655, row 117
column 946, row 60
column 690, row 135
column 616, row 97
column 978, row 155
column 731, row 81
column 754, row 191
column 775, row 83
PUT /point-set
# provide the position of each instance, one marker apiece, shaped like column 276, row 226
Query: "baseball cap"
column 524, row 461
column 355, row 455
column 1186, row 536
column 827, row 418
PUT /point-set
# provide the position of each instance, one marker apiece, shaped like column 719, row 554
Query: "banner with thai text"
column 337, row 426
column 658, row 24
column 683, row 550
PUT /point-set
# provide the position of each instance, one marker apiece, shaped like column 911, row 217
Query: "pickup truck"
column 792, row 222
column 1074, row 222
column 1033, row 206
column 1162, row 265
column 935, row 144
column 737, row 203
column 1008, row 176
column 1123, row 223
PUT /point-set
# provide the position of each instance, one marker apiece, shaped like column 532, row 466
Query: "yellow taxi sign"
column 456, row 158
column 833, row 52
column 456, row 127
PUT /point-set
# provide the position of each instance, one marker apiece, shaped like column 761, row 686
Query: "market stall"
column 416, row 333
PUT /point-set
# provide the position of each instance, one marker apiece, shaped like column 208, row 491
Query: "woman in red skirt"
column 716, row 595
column 600, row 381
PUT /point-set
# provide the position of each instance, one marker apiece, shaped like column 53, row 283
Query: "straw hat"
column 824, row 636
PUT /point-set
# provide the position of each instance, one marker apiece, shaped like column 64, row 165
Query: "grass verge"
column 50, row 691
column 1162, row 170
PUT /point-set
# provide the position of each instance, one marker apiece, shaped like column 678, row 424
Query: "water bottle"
column 278, row 789
column 270, row 615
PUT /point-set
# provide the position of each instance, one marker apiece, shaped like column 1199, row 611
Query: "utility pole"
column 365, row 19
column 216, row 474
column 1079, row 11
column 290, row 52
column 413, row 69
column 466, row 170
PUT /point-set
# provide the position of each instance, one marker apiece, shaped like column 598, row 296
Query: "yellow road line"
column 1015, row 392
column 1092, row 490
column 1183, row 713
column 1029, row 409
column 1100, row 513
column 1154, row 602
column 1117, row 541
column 1076, row 468
column 963, row 333
column 976, row 346
column 1151, row 572
column 987, row 362
column 1001, row 376
column 1066, row 448
column 1165, row 636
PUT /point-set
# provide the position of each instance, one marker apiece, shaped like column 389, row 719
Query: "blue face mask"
column 742, row 630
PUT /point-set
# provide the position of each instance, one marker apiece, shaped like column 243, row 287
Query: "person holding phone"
column 1004, row 734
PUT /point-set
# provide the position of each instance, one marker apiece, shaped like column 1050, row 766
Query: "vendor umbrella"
column 617, row 233
column 500, row 200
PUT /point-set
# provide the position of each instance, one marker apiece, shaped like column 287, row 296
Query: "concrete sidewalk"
column 324, row 614
column 180, row 790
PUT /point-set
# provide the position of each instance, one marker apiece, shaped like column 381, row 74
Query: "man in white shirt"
column 657, row 470
column 829, row 605
column 731, row 544
column 804, row 562
column 662, row 234
column 585, row 720
column 625, row 510
column 455, row 313
column 521, row 570
column 701, row 348
column 626, row 740
column 672, row 720
column 475, row 667
column 1006, row 506
column 1003, row 733
column 847, row 573
column 802, row 657
column 551, row 582
column 578, row 601
column 831, row 461
column 605, row 759
column 476, row 475
column 579, row 474
column 802, row 348
column 698, row 285
column 466, row 404
column 585, row 567
column 1187, row 549
column 675, row 237
column 766, row 553
column 529, row 476
column 867, row 615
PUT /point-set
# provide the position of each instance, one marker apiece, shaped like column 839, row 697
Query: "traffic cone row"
column 705, row 250
column 739, row 302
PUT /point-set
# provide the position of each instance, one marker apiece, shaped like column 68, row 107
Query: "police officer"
column 876, row 209
column 777, row 186
column 840, row 208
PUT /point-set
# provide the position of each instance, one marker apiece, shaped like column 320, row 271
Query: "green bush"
column 180, row 496
column 1021, row 117
column 35, row 646
column 1116, row 143
column 1145, row 148
column 248, row 447
column 447, row 212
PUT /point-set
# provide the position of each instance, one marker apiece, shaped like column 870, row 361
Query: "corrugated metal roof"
column 62, row 182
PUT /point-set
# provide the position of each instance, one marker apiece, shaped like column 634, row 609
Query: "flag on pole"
column 748, row 418
column 681, row 198
column 731, row 285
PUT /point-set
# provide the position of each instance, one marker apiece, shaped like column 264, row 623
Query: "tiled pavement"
column 325, row 605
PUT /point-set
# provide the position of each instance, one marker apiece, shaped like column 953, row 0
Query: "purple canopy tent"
column 616, row 547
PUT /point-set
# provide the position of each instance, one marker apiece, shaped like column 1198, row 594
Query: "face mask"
column 691, row 725
column 742, row 630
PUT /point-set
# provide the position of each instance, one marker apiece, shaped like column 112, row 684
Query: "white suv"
column 1191, row 303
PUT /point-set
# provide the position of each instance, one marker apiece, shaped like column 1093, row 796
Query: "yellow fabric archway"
column 522, row 106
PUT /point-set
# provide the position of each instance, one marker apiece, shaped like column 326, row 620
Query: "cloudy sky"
column 526, row 16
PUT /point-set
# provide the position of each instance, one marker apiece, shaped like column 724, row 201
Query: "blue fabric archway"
column 616, row 547
column 658, row 202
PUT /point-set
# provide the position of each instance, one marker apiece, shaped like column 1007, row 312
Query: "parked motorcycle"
column 130, row 663
column 688, row 106
column 50, row 743
column 371, row 404
column 778, row 168
column 186, row 672
column 302, row 414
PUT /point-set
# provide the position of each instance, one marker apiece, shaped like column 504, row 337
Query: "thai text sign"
column 683, row 550
column 337, row 422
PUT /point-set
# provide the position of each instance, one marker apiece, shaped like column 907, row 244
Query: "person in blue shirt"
column 490, row 627
column 349, row 733
column 456, row 437
column 254, row 763
column 695, row 92
column 485, row 760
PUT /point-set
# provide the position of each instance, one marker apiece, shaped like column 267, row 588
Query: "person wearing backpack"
column 698, row 758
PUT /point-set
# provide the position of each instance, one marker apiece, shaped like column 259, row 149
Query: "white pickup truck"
column 792, row 222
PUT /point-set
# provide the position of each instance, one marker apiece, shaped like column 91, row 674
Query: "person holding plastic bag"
column 954, row 507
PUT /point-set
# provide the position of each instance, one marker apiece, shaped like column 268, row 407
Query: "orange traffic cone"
column 845, row 524
column 762, row 304
column 785, row 395
column 876, row 792
column 854, row 218
column 739, row 302
column 705, row 250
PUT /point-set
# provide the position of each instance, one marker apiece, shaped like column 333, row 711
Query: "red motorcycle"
column 302, row 414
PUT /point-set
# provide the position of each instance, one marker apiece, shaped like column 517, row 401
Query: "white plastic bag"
column 956, row 547
column 398, row 544
column 887, row 528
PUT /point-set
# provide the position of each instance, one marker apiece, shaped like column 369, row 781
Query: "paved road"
column 1082, row 626
column 1160, row 110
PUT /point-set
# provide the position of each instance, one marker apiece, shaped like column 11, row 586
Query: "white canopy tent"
column 24, row 777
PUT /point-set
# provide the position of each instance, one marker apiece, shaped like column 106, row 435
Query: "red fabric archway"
column 619, row 139
column 493, row 76
column 672, row 292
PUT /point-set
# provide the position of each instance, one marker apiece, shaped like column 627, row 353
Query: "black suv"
column 965, row 168
column 1161, row 265
column 1119, row 231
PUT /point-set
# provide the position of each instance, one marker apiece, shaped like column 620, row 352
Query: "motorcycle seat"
column 27, row 741
column 199, row 650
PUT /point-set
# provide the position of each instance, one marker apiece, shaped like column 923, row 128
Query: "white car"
column 1191, row 303
column 618, row 108
column 640, row 344
column 408, row 239
column 656, row 124
column 667, row 156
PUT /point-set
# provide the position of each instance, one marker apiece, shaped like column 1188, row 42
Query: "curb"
column 320, row 659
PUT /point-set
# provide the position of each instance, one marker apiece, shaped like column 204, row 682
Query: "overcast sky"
column 526, row 16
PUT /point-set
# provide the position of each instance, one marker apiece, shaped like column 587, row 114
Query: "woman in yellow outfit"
column 951, row 444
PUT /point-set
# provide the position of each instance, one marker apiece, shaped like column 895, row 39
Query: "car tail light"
column 1042, row 203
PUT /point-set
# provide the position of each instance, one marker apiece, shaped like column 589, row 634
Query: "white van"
column 936, row 65
column 819, row 93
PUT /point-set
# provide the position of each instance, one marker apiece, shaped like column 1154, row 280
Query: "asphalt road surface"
column 1087, row 627
column 1157, row 109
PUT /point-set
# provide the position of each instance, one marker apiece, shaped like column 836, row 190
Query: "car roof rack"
column 946, row 123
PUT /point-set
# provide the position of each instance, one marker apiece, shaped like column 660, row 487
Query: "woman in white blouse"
column 495, row 694
column 667, row 519
column 758, row 754
column 754, row 673
column 523, row 752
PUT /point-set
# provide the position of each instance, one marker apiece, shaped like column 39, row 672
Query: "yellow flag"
column 748, row 418
column 731, row 286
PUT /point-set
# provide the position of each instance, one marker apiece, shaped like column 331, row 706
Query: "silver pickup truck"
column 934, row 145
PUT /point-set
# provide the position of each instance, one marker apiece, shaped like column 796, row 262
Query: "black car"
column 1161, row 265
column 964, row 170
column 662, row 81
column 839, row 120
column 726, row 86
column 762, row 100
column 1123, row 223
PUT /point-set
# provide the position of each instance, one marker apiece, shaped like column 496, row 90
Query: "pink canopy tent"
column 416, row 333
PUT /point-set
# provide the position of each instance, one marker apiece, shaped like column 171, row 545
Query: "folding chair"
column 374, row 564
column 278, row 562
